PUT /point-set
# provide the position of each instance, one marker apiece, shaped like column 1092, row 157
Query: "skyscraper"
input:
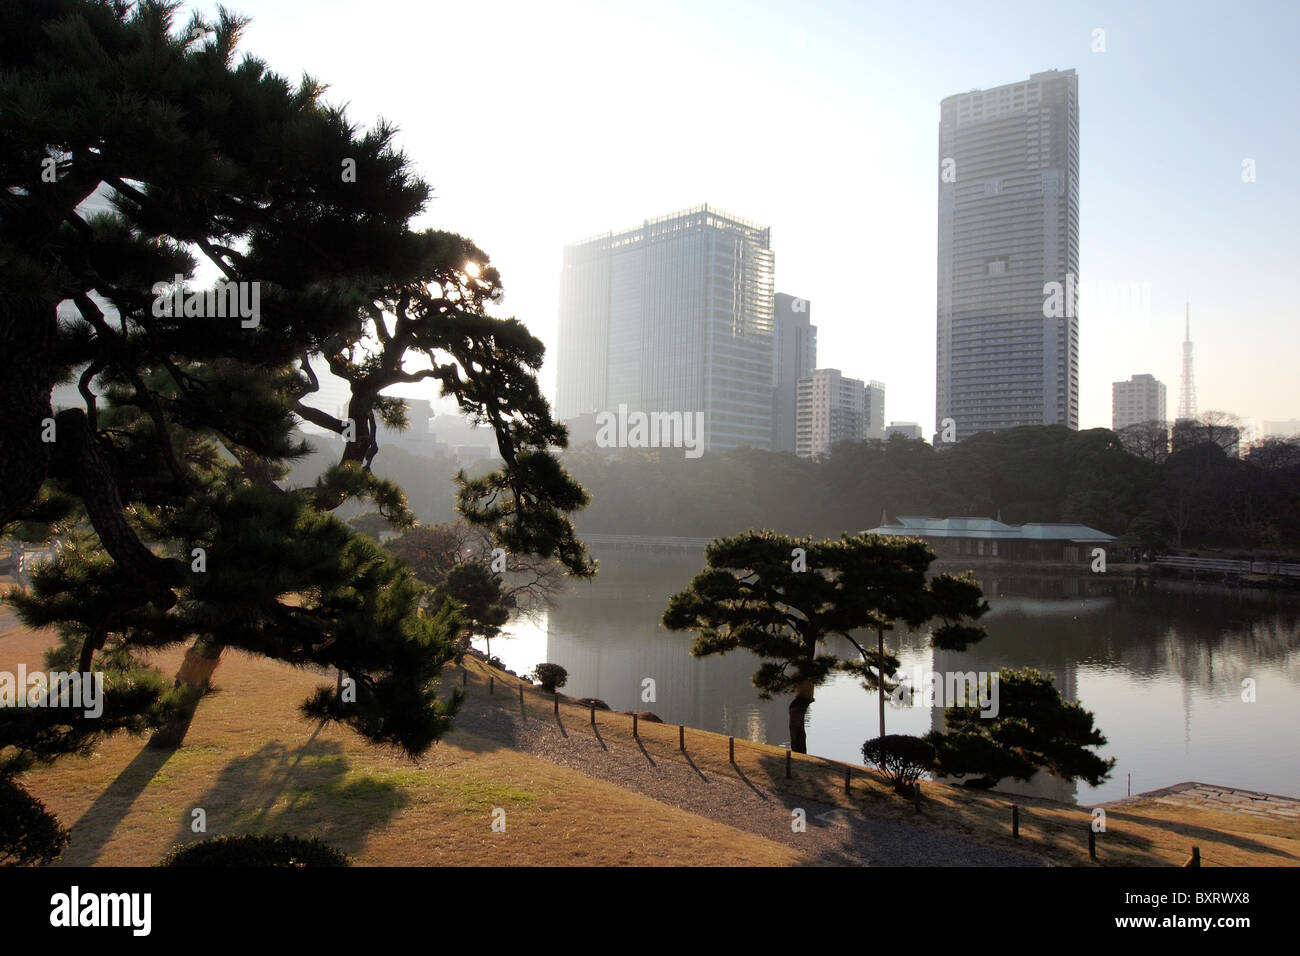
column 673, row 316
column 874, row 427
column 1008, row 324
column 796, row 357
column 1140, row 399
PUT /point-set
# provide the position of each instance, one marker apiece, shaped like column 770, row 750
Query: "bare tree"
column 1148, row 440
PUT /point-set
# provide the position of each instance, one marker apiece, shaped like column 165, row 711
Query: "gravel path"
column 834, row 835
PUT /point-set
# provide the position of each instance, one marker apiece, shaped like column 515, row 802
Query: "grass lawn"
column 253, row 765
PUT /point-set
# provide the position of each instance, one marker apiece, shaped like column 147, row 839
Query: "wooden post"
column 787, row 763
column 492, row 684
column 731, row 749
column 634, row 720
column 557, row 703
column 916, row 795
column 593, row 715
column 1196, row 857
column 681, row 736
column 1015, row 821
column 1092, row 843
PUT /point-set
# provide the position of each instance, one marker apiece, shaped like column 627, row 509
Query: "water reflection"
column 1161, row 665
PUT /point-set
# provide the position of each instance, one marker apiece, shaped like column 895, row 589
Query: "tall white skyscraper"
column 675, row 316
column 1140, row 399
column 1008, row 347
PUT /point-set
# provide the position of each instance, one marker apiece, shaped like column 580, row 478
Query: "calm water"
column 1160, row 666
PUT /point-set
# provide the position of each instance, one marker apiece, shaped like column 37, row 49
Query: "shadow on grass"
column 96, row 826
column 1194, row 832
column 309, row 791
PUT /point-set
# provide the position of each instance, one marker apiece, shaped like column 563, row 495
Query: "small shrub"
column 278, row 849
column 902, row 758
column 551, row 676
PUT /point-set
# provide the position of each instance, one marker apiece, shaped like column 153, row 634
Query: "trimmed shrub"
column 277, row 849
column 551, row 676
column 902, row 758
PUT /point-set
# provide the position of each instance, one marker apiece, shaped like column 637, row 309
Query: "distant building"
column 832, row 408
column 906, row 429
column 582, row 429
column 674, row 315
column 1287, row 429
column 796, row 358
column 987, row 537
column 1008, row 168
column 875, row 410
column 469, row 442
column 1141, row 399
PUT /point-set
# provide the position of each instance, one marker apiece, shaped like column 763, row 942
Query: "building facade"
column 875, row 410
column 1140, row 399
column 796, row 358
column 905, row 429
column 832, row 408
column 676, row 315
column 1008, row 323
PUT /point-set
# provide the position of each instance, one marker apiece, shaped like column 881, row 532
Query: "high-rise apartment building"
column 796, row 357
column 1008, row 324
column 675, row 315
column 832, row 408
column 1140, row 399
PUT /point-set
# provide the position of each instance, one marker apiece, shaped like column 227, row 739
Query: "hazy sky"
column 539, row 124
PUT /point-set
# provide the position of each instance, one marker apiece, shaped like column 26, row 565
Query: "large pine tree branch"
column 77, row 459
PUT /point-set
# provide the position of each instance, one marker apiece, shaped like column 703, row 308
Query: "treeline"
column 1198, row 497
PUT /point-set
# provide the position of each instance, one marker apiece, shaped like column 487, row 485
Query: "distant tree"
column 529, row 582
column 1275, row 454
column 781, row 597
column 1148, row 440
column 477, row 592
column 1032, row 728
column 1221, row 429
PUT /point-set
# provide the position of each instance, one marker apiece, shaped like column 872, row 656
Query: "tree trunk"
column 803, row 699
column 27, row 331
column 880, row 663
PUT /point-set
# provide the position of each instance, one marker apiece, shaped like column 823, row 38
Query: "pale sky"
column 540, row 124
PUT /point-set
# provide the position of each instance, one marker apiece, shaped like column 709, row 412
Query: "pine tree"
column 781, row 597
column 292, row 231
